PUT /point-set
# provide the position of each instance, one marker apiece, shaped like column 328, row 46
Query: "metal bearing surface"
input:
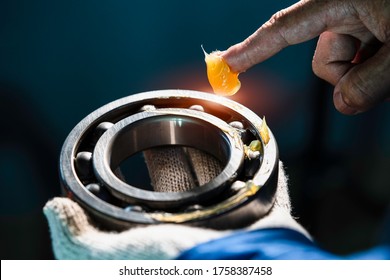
column 243, row 192
column 174, row 127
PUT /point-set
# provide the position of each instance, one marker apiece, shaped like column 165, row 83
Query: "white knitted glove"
column 75, row 237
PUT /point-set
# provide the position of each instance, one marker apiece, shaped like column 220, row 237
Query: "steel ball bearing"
column 243, row 192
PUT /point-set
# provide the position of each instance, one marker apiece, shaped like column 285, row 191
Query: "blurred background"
column 60, row 60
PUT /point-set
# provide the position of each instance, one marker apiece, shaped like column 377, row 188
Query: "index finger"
column 300, row 22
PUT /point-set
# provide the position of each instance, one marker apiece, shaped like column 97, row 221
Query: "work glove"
column 74, row 235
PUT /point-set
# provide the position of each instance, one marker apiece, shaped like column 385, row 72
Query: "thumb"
column 364, row 85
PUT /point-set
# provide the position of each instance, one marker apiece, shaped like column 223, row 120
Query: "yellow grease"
column 221, row 78
column 264, row 132
column 248, row 190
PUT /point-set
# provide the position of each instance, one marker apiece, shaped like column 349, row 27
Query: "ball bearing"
column 243, row 192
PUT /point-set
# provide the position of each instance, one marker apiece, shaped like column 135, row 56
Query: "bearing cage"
column 219, row 212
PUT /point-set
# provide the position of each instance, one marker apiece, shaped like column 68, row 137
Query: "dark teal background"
column 60, row 60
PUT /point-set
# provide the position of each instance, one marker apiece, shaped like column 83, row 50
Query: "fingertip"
column 233, row 56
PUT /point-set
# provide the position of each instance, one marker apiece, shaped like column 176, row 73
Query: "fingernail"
column 341, row 106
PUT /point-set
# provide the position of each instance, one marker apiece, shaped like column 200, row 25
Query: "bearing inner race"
column 167, row 127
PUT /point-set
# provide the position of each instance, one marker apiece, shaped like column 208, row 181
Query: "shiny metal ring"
column 182, row 127
column 92, row 153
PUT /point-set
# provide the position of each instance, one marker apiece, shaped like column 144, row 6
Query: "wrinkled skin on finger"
column 353, row 51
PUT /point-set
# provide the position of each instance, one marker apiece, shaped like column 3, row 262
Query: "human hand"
column 75, row 236
column 353, row 50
